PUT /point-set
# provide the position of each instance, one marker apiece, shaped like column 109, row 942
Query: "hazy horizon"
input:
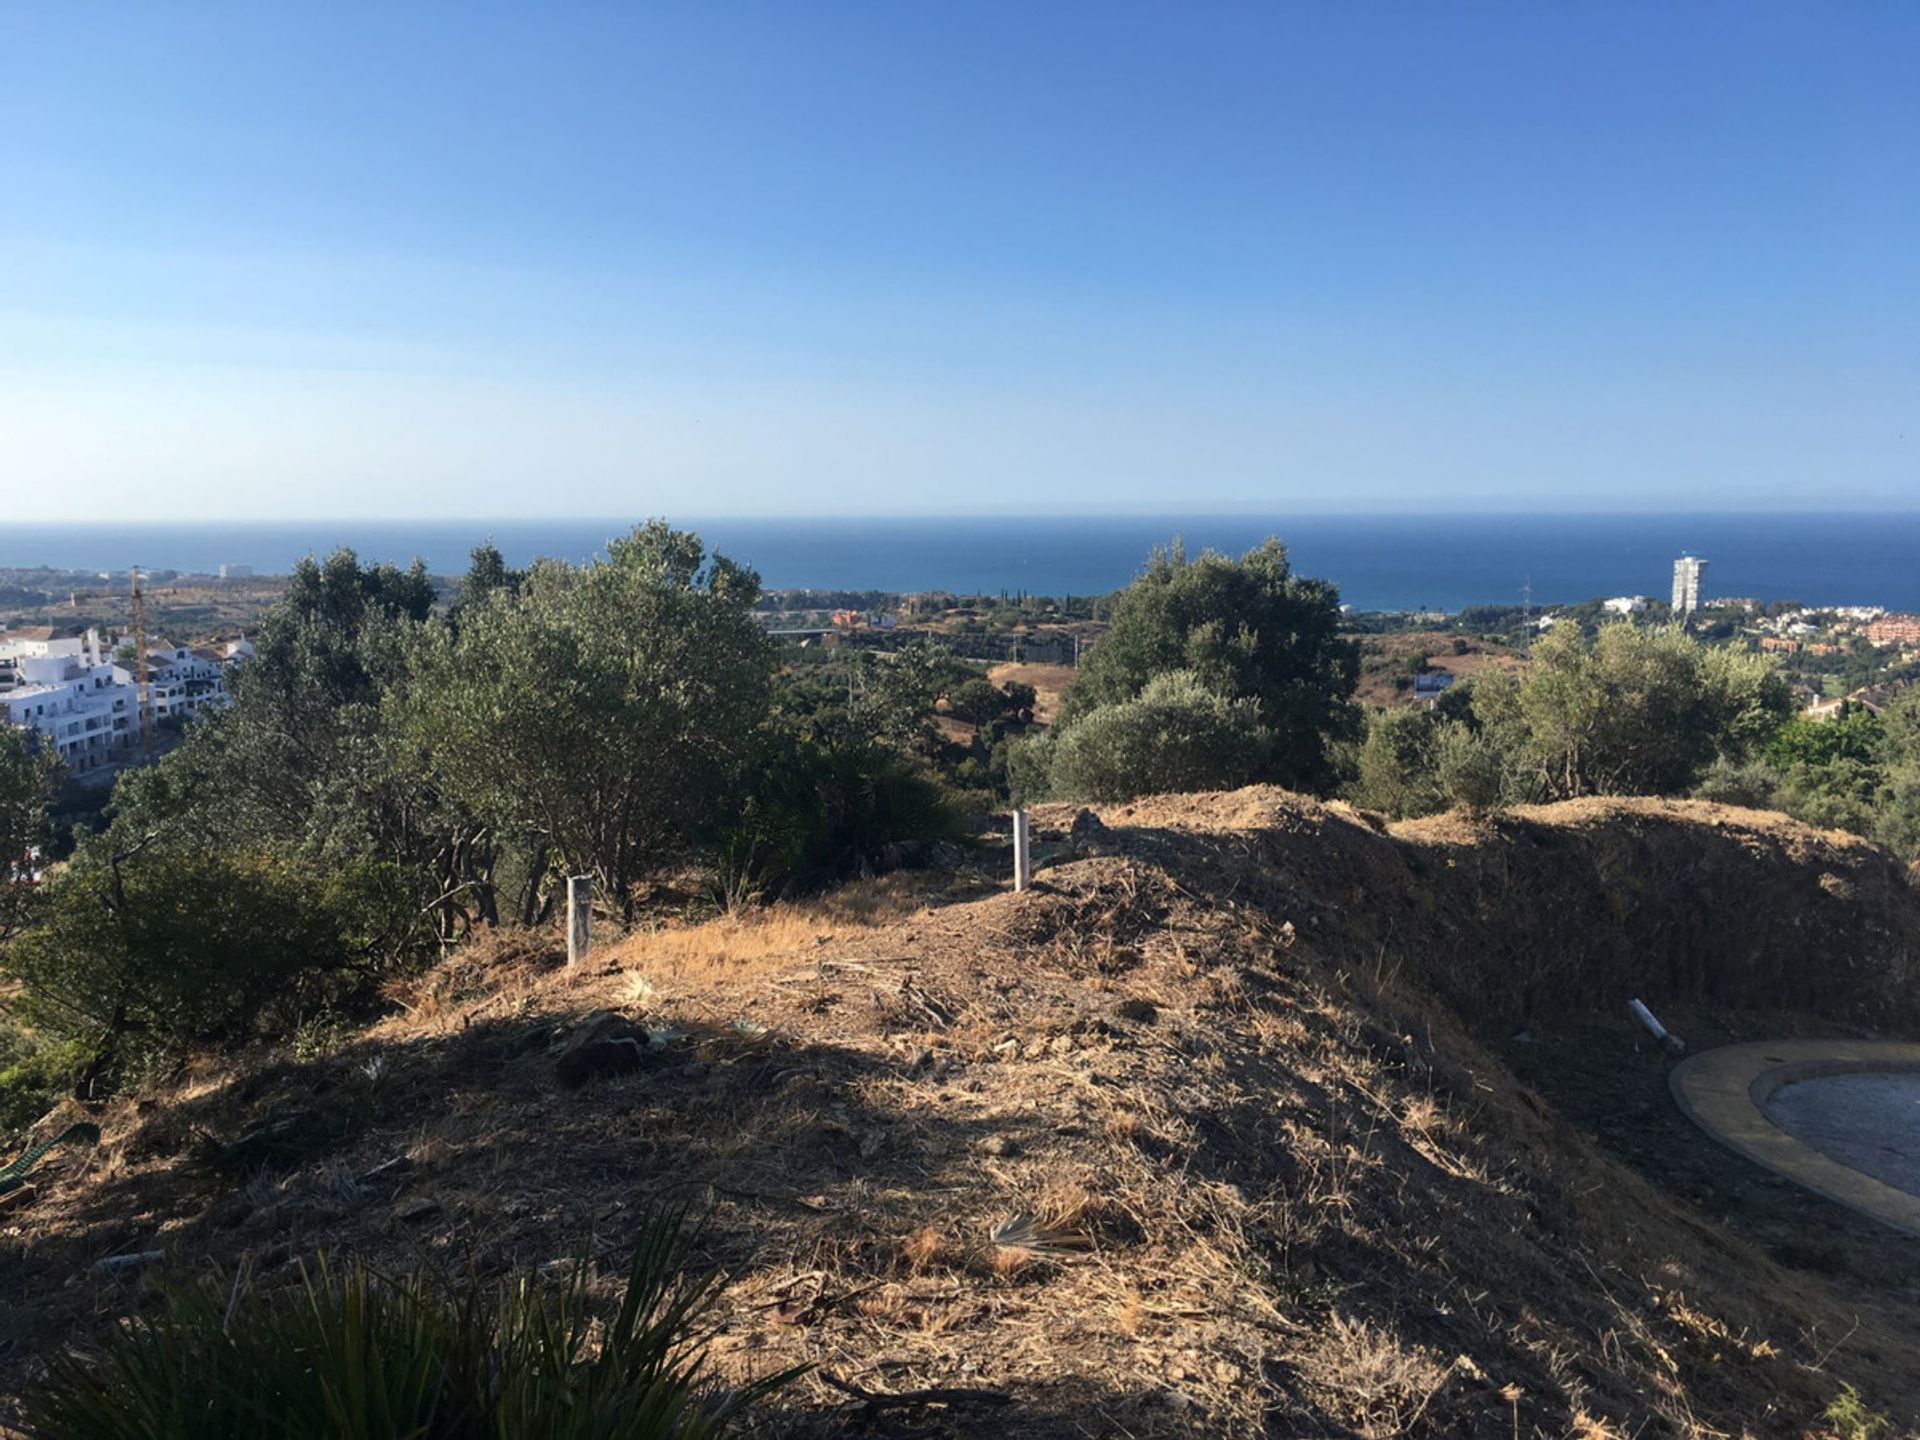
column 506, row 261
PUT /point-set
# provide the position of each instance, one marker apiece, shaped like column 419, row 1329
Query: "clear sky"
column 277, row 260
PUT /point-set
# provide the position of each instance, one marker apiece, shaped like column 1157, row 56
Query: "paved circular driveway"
column 1841, row 1117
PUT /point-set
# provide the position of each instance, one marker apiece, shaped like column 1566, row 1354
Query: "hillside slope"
column 1206, row 1135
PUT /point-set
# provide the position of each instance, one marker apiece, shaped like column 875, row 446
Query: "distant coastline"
column 1380, row 562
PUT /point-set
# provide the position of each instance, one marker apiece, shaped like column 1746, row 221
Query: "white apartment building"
column 1624, row 604
column 85, row 707
column 20, row 646
column 1689, row 584
column 184, row 681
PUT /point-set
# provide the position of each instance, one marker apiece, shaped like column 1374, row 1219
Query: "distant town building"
column 1871, row 701
column 236, row 572
column 1893, row 629
column 1689, row 584
column 184, row 682
column 1625, row 604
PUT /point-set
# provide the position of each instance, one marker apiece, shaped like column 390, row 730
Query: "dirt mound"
column 1191, row 1139
column 1577, row 906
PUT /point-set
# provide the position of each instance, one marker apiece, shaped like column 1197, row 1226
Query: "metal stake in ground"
column 1022, row 852
column 579, row 917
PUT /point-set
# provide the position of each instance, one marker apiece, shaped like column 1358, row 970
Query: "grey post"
column 579, row 917
column 1022, row 852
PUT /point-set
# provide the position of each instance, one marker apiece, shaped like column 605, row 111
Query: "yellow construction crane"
column 144, row 685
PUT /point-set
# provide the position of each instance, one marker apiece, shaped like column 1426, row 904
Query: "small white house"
column 1625, row 605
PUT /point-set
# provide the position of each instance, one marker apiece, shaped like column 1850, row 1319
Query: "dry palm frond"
column 1049, row 1232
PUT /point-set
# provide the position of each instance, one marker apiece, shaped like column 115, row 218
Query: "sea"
column 1380, row 562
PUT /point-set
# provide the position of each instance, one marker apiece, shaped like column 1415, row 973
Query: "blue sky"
column 398, row 260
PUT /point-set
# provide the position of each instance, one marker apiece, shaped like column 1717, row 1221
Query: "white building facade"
column 88, row 708
column 1689, row 584
column 69, row 694
column 184, row 681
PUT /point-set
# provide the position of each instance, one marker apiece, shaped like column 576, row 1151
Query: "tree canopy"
column 1246, row 629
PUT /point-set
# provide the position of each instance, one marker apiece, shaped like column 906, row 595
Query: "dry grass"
column 730, row 948
column 1390, row 1382
column 1049, row 683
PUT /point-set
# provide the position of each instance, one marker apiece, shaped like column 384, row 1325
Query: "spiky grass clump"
column 349, row 1352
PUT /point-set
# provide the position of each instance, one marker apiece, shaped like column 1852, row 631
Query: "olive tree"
column 1176, row 734
column 601, row 709
column 1245, row 629
column 29, row 774
column 1636, row 711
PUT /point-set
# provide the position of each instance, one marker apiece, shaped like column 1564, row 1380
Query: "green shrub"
column 177, row 947
column 348, row 1352
column 35, row 1072
column 1850, row 1419
column 1175, row 735
column 816, row 813
column 1247, row 628
column 1636, row 711
column 1471, row 768
column 1751, row 783
column 1395, row 767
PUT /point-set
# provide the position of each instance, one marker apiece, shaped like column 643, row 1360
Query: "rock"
column 999, row 1145
column 1137, row 1008
column 604, row 1043
column 1089, row 834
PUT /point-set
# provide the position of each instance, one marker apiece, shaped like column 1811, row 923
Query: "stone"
column 603, row 1044
column 1089, row 834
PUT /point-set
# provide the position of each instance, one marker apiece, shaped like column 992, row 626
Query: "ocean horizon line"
column 1404, row 561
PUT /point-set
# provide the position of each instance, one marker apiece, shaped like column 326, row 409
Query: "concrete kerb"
column 1725, row 1093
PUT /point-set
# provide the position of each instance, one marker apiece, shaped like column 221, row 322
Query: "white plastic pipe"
column 1022, row 852
column 1654, row 1027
